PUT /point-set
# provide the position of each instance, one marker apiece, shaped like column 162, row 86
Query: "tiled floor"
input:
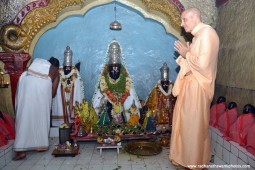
column 89, row 158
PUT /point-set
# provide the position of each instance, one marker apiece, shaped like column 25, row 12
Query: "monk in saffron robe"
column 194, row 88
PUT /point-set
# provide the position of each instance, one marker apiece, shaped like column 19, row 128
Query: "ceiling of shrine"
column 10, row 8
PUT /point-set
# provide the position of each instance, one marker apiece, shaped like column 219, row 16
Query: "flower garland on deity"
column 68, row 80
column 120, row 93
column 116, row 91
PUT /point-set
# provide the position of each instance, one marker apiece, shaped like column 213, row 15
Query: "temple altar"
column 138, row 61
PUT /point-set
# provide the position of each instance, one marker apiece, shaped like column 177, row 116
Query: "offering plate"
column 143, row 148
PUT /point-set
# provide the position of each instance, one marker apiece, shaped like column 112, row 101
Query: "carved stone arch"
column 48, row 14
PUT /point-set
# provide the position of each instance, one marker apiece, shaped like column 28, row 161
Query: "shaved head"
column 194, row 11
column 190, row 18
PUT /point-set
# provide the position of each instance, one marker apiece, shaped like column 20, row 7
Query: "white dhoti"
column 33, row 103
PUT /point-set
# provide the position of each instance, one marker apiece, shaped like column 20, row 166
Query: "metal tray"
column 143, row 148
column 62, row 153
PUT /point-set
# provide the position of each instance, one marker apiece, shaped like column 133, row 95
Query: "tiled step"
column 6, row 153
column 229, row 153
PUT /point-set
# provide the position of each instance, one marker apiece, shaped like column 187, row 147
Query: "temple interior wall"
column 144, row 42
column 9, row 9
column 234, row 22
column 236, row 73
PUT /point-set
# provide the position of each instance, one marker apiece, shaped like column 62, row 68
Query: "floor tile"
column 52, row 167
column 89, row 158
column 38, row 167
column 139, row 167
column 96, row 167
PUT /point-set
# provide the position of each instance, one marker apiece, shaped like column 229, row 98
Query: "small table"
column 109, row 146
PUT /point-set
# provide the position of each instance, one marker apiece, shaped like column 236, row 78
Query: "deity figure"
column 70, row 90
column 239, row 129
column 115, row 93
column 160, row 100
column 227, row 118
column 217, row 110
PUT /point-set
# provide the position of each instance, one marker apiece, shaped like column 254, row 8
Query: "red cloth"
column 239, row 129
column 16, row 64
column 226, row 120
column 3, row 141
column 250, row 146
column 14, row 77
column 7, row 127
column 215, row 112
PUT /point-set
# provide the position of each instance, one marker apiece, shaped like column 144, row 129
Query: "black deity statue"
column 114, row 70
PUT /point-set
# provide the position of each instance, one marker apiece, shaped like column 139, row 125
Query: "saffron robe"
column 194, row 88
column 33, row 103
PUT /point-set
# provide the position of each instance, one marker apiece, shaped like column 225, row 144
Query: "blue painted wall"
column 145, row 45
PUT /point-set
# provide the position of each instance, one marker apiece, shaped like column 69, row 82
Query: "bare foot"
column 20, row 155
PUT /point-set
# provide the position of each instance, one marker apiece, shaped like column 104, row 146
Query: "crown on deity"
column 114, row 53
column 68, row 54
column 164, row 72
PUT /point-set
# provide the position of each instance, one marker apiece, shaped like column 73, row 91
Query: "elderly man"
column 35, row 90
column 194, row 88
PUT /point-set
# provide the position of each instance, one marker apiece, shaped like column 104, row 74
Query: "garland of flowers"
column 101, row 84
column 162, row 90
column 72, row 76
column 119, row 85
column 113, row 90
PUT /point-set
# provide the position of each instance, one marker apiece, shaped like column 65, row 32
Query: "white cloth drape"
column 33, row 103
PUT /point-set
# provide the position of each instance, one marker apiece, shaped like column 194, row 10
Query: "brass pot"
column 164, row 141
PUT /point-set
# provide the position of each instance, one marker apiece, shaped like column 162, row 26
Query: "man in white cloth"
column 71, row 89
column 35, row 90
